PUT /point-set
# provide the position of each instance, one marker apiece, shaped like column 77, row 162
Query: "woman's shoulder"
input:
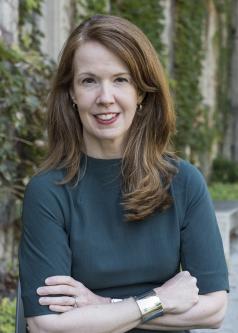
column 189, row 188
column 45, row 180
column 188, row 176
column 186, row 170
column 44, row 196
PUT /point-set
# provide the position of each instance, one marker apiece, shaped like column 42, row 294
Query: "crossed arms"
column 184, row 308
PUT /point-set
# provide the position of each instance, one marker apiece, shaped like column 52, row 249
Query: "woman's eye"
column 121, row 79
column 88, row 80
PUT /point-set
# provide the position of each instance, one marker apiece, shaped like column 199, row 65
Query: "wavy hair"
column 147, row 169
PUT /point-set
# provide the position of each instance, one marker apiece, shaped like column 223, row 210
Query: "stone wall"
column 234, row 82
column 230, row 145
column 9, row 33
column 168, row 33
column 9, row 21
column 208, row 80
column 55, row 24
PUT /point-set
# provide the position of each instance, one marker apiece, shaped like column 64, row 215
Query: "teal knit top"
column 80, row 231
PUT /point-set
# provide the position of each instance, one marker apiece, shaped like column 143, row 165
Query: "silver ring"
column 76, row 305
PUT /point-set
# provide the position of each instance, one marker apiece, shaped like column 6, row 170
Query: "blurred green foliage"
column 84, row 9
column 223, row 191
column 25, row 79
column 24, row 87
column 147, row 15
column 192, row 121
column 7, row 315
column 224, row 170
column 223, row 42
column 29, row 32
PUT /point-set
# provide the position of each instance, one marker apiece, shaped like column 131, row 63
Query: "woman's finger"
column 61, row 279
column 60, row 308
column 56, row 290
column 64, row 301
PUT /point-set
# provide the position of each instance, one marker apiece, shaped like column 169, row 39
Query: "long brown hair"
column 146, row 164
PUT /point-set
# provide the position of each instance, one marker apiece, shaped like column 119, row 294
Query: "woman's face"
column 105, row 95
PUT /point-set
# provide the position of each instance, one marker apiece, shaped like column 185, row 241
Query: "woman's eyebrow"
column 92, row 74
column 86, row 73
column 121, row 73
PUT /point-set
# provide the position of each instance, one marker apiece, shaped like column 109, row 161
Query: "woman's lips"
column 106, row 118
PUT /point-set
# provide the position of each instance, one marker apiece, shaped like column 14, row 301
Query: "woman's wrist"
column 166, row 307
column 106, row 300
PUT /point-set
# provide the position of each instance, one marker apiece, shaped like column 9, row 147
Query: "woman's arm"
column 123, row 316
column 102, row 318
column 178, row 295
column 209, row 312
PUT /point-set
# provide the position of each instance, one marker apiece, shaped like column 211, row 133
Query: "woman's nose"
column 105, row 95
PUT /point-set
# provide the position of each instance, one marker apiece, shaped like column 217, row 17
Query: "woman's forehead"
column 94, row 56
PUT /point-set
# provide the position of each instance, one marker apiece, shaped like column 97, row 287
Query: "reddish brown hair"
column 146, row 167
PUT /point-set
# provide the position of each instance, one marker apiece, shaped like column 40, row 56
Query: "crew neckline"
column 100, row 160
column 101, row 165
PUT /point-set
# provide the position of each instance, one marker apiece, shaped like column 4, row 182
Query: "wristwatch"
column 150, row 305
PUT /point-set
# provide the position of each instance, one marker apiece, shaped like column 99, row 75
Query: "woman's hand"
column 179, row 294
column 75, row 294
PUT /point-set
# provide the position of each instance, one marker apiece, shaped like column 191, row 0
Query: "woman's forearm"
column 103, row 318
column 183, row 309
column 207, row 313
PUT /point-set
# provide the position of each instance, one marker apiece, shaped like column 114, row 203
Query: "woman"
column 113, row 216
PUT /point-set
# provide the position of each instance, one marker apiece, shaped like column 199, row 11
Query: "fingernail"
column 39, row 290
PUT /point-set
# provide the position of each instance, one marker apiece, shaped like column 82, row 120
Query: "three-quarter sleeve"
column 44, row 249
column 202, row 251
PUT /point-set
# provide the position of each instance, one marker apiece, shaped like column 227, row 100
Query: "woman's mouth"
column 106, row 118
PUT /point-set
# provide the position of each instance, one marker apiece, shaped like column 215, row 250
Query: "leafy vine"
column 224, row 44
column 189, row 53
column 25, row 75
column 24, row 86
column 29, row 33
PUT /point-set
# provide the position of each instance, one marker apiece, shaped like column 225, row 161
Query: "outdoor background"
column 197, row 42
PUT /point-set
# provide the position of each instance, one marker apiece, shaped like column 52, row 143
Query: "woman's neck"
column 106, row 149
